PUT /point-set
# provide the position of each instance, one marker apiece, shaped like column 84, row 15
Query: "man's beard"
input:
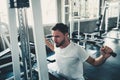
column 60, row 44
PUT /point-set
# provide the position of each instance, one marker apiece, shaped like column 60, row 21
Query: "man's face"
column 58, row 37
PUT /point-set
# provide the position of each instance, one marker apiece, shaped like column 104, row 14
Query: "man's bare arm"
column 105, row 53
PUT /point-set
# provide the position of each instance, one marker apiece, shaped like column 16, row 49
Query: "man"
column 70, row 56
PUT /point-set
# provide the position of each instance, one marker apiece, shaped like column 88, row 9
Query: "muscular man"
column 70, row 56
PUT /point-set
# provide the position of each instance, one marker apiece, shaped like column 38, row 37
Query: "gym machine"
column 75, row 6
column 75, row 16
column 20, row 50
column 102, row 18
column 118, row 18
column 116, row 29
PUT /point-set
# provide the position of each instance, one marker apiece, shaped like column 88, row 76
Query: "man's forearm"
column 100, row 60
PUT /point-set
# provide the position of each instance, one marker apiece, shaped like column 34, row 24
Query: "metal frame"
column 118, row 18
column 58, row 9
column 4, row 35
column 39, row 41
column 74, row 18
column 14, row 42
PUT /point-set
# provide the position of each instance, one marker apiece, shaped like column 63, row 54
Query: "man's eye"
column 57, row 36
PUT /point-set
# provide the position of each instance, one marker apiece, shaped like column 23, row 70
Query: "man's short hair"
column 61, row 27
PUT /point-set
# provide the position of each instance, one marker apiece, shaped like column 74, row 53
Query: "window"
column 113, row 10
column 3, row 11
column 49, row 11
column 84, row 9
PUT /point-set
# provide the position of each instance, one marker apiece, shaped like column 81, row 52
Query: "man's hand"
column 106, row 51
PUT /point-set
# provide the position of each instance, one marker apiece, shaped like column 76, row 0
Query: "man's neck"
column 65, row 45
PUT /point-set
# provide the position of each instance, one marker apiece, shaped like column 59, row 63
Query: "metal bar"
column 58, row 4
column 118, row 18
column 14, row 42
column 103, row 14
column 106, row 20
column 6, row 40
column 23, row 40
column 39, row 40
column 71, row 17
column 3, row 42
column 5, row 65
column 27, row 44
column 4, row 52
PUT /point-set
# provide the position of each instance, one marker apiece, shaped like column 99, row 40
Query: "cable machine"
column 74, row 15
column 21, row 6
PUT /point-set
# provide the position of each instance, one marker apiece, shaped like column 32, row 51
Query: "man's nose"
column 54, row 39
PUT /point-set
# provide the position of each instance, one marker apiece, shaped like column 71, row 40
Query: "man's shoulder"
column 75, row 44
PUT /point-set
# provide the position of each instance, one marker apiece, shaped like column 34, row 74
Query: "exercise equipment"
column 74, row 16
column 4, row 35
column 106, row 34
column 20, row 6
column 23, row 26
column 24, row 40
column 99, row 45
column 102, row 18
column 39, row 41
column 118, row 18
column 6, row 63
